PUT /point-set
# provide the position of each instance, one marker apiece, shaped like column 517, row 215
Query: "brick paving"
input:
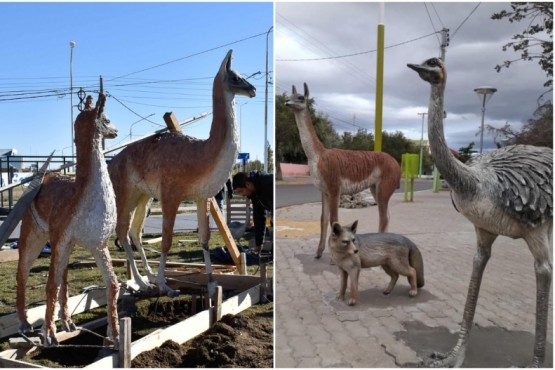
column 313, row 329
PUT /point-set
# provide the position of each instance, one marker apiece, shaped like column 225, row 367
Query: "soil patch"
column 151, row 314
column 242, row 340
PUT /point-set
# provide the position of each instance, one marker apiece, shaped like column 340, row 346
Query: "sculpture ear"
column 100, row 104
column 305, row 90
column 226, row 63
column 294, row 90
column 354, row 227
column 336, row 229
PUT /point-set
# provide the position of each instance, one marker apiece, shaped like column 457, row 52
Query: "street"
column 301, row 190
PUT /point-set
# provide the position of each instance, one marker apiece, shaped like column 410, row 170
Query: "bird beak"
column 415, row 67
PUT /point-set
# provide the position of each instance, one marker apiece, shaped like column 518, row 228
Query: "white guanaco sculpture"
column 173, row 167
column 508, row 191
column 72, row 211
column 338, row 171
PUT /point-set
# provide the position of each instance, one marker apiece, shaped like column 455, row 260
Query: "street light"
column 487, row 93
column 71, row 46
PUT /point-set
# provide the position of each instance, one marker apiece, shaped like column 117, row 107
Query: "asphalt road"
column 291, row 194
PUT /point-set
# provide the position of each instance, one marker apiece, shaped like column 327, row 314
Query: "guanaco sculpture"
column 508, row 191
column 338, row 171
column 173, row 167
column 72, row 211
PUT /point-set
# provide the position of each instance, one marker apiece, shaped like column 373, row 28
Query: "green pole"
column 379, row 83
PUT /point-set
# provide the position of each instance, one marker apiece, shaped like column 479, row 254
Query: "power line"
column 189, row 56
column 354, row 54
column 463, row 22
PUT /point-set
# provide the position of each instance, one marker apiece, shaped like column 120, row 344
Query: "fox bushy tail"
column 415, row 260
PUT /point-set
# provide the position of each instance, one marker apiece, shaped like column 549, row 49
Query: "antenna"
column 101, row 85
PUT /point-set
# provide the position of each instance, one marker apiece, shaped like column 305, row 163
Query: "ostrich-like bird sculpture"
column 72, row 211
column 338, row 171
column 508, row 192
column 173, row 167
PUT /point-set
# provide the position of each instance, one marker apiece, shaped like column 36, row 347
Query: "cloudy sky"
column 344, row 88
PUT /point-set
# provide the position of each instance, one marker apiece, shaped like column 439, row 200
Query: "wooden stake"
column 226, row 235
column 125, row 343
column 171, row 122
column 217, row 309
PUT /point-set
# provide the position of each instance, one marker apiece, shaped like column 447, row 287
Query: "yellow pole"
column 379, row 83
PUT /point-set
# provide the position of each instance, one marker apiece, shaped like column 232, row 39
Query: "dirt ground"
column 243, row 340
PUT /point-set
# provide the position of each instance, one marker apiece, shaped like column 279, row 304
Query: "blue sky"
column 184, row 42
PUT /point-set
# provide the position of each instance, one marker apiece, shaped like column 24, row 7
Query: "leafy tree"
column 362, row 140
column 537, row 131
column 465, row 153
column 539, row 32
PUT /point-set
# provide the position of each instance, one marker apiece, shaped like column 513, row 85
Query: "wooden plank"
column 225, row 233
column 9, row 358
column 123, row 261
column 241, row 302
column 235, row 282
column 9, row 324
column 172, row 122
column 152, row 241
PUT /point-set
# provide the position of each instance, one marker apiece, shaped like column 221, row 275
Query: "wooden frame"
column 179, row 333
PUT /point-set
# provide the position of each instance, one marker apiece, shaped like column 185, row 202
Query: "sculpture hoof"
column 25, row 328
column 68, row 326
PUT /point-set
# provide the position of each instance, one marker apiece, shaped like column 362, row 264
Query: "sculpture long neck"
column 459, row 176
column 312, row 146
column 223, row 132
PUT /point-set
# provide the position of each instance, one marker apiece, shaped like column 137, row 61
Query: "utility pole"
column 444, row 42
column 379, row 81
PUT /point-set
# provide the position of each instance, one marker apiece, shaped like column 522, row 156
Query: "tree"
column 537, row 131
column 539, row 33
column 465, row 153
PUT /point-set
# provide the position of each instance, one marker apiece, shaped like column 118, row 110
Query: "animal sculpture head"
column 297, row 101
column 431, row 70
column 233, row 80
column 342, row 238
column 95, row 121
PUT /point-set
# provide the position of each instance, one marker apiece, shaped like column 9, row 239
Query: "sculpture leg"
column 104, row 263
column 455, row 358
column 58, row 263
column 136, row 231
column 539, row 246
column 169, row 211
column 30, row 245
column 122, row 231
column 65, row 316
column 324, row 222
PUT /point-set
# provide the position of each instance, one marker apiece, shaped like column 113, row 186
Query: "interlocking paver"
column 313, row 329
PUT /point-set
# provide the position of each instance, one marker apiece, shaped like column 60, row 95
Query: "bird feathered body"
column 512, row 190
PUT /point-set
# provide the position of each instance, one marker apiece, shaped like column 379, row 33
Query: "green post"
column 436, row 180
column 409, row 166
column 379, row 88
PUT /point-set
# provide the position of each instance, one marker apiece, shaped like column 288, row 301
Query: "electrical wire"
column 355, row 54
column 464, row 21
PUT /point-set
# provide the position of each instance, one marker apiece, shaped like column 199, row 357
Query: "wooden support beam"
column 172, row 122
column 226, row 236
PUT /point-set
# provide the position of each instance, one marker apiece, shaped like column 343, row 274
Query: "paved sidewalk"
column 313, row 329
